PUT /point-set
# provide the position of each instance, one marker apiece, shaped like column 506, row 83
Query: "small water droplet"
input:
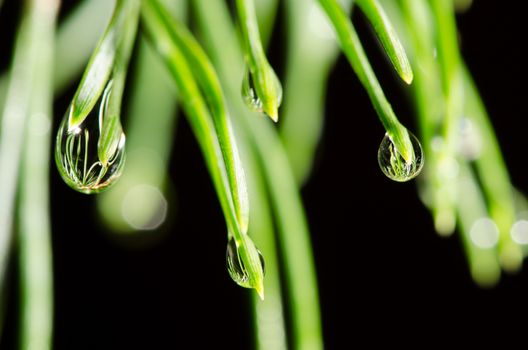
column 76, row 151
column 392, row 163
column 236, row 267
column 249, row 93
column 252, row 99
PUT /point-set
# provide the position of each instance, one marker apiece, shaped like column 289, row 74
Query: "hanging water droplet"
column 394, row 165
column 77, row 150
column 236, row 267
column 254, row 102
column 249, row 93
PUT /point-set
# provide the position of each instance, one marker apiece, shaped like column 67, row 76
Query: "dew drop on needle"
column 235, row 266
column 394, row 165
column 77, row 150
column 249, row 93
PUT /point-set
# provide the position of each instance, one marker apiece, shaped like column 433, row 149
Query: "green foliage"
column 247, row 160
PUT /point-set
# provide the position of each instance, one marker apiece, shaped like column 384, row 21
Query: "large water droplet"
column 249, row 93
column 76, row 151
column 236, row 267
column 394, row 165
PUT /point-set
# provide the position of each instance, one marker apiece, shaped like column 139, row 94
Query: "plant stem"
column 270, row 328
column 266, row 83
column 81, row 29
column 355, row 53
column 149, row 142
column 209, row 82
column 483, row 263
column 76, row 39
column 148, row 146
column 29, row 99
column 311, row 53
column 267, row 11
column 293, row 231
column 110, row 56
column 15, row 114
column 250, row 32
column 177, row 52
column 14, row 94
column 268, row 314
column 388, row 38
column 440, row 189
column 494, row 177
column 270, row 331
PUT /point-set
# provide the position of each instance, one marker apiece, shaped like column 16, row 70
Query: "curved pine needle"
column 119, row 32
column 293, row 233
column 266, row 82
column 28, row 102
column 219, row 37
column 483, row 262
column 388, row 37
column 355, row 53
column 207, row 79
column 160, row 29
column 494, row 176
column 311, row 53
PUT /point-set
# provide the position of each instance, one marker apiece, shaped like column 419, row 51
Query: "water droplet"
column 76, row 151
column 392, row 163
column 249, row 93
column 251, row 98
column 236, row 267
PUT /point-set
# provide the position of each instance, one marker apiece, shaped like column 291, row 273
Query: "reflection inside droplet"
column 484, row 233
column 392, row 163
column 76, row 151
column 254, row 101
column 235, row 266
column 249, row 93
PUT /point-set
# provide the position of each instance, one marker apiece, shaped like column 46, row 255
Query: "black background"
column 381, row 267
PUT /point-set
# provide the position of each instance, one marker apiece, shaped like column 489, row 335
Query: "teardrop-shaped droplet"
column 252, row 99
column 77, row 150
column 394, row 165
column 249, row 93
column 236, row 267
